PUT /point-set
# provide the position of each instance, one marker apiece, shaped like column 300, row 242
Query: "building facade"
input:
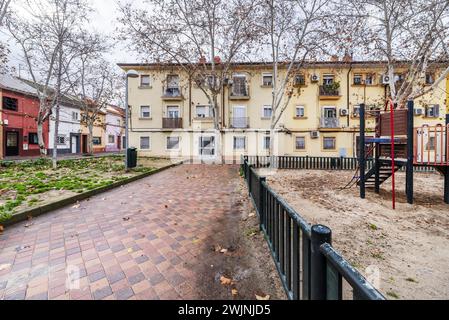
column 98, row 133
column 170, row 116
column 114, row 128
column 19, row 110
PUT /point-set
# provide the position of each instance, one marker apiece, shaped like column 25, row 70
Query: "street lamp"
column 130, row 74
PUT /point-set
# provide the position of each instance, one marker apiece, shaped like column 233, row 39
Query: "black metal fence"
column 315, row 163
column 308, row 265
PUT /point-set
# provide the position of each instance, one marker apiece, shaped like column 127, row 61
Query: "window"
column 239, row 143
column 300, row 143
column 239, row 87
column 369, row 79
column 267, row 80
column 10, row 104
column 61, row 139
column 329, row 143
column 124, row 142
column 172, row 143
column 173, row 89
column 300, row 80
column 356, row 112
column 145, row 143
column 145, row 81
column 328, row 79
column 96, row 141
column 119, row 123
column 300, row 112
column 172, row 112
column 329, row 112
column 203, row 112
column 433, row 111
column 358, row 79
column 430, row 78
column 207, row 146
column 266, row 142
column 32, row 138
column 75, row 116
column 145, row 112
column 111, row 138
column 430, row 146
column 267, row 112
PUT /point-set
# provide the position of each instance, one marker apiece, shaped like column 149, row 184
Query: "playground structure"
column 398, row 144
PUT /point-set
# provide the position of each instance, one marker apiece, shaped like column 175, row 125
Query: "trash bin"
column 132, row 157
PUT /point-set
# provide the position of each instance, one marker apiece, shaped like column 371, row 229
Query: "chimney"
column 203, row 60
column 217, row 60
column 334, row 58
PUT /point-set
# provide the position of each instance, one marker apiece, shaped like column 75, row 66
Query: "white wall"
column 66, row 126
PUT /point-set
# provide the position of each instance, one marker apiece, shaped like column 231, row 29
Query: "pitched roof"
column 11, row 83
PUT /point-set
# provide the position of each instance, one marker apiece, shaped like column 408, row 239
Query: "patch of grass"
column 393, row 294
column 373, row 227
column 252, row 232
column 377, row 255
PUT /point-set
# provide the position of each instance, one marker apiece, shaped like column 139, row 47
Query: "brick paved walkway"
column 141, row 241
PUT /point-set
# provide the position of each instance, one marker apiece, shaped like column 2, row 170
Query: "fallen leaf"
column 126, row 218
column 130, row 250
column 224, row 250
column 234, row 292
column 4, row 266
column 29, row 225
column 252, row 215
column 76, row 206
column 104, row 199
column 1, row 228
column 266, row 298
column 225, row 281
column 196, row 241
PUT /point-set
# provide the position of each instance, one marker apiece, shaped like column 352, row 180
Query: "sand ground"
column 409, row 246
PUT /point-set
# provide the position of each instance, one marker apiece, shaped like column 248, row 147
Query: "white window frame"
column 207, row 113
column 296, row 143
column 75, row 116
column 173, row 106
column 141, row 112
column 109, row 139
column 267, row 74
column 335, row 144
column 360, row 76
column 234, row 144
column 211, row 146
column 173, row 149
column 63, row 141
column 149, row 143
column 266, row 146
column 149, row 81
column 267, row 107
column 327, row 77
column 299, row 107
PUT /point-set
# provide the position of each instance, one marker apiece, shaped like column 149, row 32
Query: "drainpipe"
column 348, row 91
column 190, row 100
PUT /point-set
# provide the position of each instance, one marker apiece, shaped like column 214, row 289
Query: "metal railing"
column 171, row 92
column 308, row 266
column 328, row 91
column 239, row 122
column 329, row 122
column 239, row 91
column 172, row 123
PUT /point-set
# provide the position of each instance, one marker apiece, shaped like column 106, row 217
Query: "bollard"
column 320, row 235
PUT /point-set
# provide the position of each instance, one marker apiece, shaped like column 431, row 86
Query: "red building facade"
column 19, row 127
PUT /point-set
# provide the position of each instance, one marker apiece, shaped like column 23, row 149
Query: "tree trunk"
column 40, row 137
column 55, row 139
column 91, row 140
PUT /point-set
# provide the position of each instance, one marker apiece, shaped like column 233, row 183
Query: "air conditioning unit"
column 315, row 78
column 385, row 79
column 343, row 112
column 314, row 134
column 6, row 122
column 419, row 112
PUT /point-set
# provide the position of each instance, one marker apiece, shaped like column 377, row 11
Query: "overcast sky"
column 104, row 20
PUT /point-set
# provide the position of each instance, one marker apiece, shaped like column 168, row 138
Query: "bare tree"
column 4, row 6
column 410, row 34
column 94, row 86
column 297, row 32
column 48, row 42
column 203, row 38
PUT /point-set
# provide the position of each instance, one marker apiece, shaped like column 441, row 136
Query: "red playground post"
column 393, row 164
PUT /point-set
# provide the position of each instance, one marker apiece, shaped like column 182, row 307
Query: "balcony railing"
column 172, row 123
column 172, row 93
column 239, row 123
column 329, row 123
column 239, row 92
column 329, row 92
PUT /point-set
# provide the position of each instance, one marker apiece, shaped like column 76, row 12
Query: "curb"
column 35, row 212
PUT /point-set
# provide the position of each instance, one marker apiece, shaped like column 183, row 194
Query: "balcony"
column 329, row 92
column 329, row 123
column 239, row 93
column 239, row 123
column 172, row 94
column 172, row 123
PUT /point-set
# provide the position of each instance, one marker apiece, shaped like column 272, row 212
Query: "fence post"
column 320, row 235
column 262, row 202
column 249, row 179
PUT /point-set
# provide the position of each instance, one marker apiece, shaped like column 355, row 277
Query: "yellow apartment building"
column 98, row 133
column 170, row 115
